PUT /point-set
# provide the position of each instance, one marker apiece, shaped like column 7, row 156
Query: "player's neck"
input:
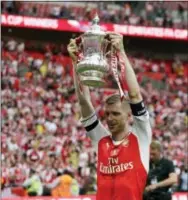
column 120, row 135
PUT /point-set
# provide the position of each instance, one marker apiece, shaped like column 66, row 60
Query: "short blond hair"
column 116, row 98
column 112, row 99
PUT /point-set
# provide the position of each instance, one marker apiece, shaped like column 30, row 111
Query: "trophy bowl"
column 93, row 66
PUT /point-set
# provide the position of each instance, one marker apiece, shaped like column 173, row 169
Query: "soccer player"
column 123, row 154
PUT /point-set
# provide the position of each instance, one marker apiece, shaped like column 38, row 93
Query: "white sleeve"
column 95, row 129
column 142, row 129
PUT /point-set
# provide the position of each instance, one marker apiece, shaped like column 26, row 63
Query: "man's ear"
column 130, row 117
column 129, row 114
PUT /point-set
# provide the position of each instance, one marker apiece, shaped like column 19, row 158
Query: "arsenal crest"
column 114, row 152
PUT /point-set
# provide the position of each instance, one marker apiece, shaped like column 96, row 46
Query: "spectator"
column 161, row 14
column 183, row 180
column 64, row 186
column 33, row 184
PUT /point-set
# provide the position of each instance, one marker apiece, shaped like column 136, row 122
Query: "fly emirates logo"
column 113, row 167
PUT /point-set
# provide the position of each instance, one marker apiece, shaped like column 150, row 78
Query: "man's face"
column 154, row 154
column 115, row 117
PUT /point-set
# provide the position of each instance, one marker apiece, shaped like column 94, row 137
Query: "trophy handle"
column 79, row 42
column 108, row 46
column 80, row 47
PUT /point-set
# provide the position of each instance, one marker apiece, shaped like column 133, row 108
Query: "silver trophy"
column 93, row 67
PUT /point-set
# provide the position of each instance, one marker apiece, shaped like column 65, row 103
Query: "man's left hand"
column 151, row 188
column 116, row 41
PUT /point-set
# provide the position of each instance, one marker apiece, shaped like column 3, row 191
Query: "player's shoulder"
column 132, row 135
column 105, row 139
column 166, row 161
column 133, row 138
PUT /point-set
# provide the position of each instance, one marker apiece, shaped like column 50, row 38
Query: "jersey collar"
column 116, row 143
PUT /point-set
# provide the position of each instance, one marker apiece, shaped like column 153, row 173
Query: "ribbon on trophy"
column 122, row 77
column 79, row 54
column 116, row 59
column 114, row 67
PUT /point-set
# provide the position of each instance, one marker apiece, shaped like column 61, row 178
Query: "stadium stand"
column 40, row 114
column 160, row 14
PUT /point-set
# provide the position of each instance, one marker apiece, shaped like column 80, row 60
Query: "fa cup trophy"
column 98, row 58
column 93, row 65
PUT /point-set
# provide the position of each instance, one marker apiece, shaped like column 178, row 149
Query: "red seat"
column 19, row 191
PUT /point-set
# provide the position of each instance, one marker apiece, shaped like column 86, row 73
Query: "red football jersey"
column 123, row 165
column 121, row 174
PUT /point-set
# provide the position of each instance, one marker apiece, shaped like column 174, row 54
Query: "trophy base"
column 92, row 81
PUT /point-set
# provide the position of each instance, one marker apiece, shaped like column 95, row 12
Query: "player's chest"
column 115, row 154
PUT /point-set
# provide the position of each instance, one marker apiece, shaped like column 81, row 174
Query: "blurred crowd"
column 149, row 13
column 41, row 131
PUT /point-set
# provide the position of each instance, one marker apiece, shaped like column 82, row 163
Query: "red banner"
column 51, row 198
column 180, row 196
column 75, row 26
column 176, row 196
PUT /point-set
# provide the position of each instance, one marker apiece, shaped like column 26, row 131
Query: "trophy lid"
column 95, row 28
column 96, row 19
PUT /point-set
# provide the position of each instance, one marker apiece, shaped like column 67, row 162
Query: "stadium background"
column 40, row 113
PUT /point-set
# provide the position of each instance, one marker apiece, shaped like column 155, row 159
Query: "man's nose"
column 110, row 117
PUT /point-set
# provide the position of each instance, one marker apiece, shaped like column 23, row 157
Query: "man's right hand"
column 73, row 50
column 82, row 91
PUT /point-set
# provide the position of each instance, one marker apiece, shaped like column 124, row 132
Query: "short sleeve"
column 171, row 168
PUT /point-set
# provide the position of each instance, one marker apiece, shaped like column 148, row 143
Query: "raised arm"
column 95, row 130
column 130, row 77
column 133, row 87
column 82, row 92
column 141, row 126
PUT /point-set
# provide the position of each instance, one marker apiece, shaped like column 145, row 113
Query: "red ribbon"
column 120, row 80
column 122, row 77
column 78, row 41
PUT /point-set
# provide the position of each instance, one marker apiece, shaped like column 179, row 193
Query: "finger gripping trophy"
column 93, row 66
